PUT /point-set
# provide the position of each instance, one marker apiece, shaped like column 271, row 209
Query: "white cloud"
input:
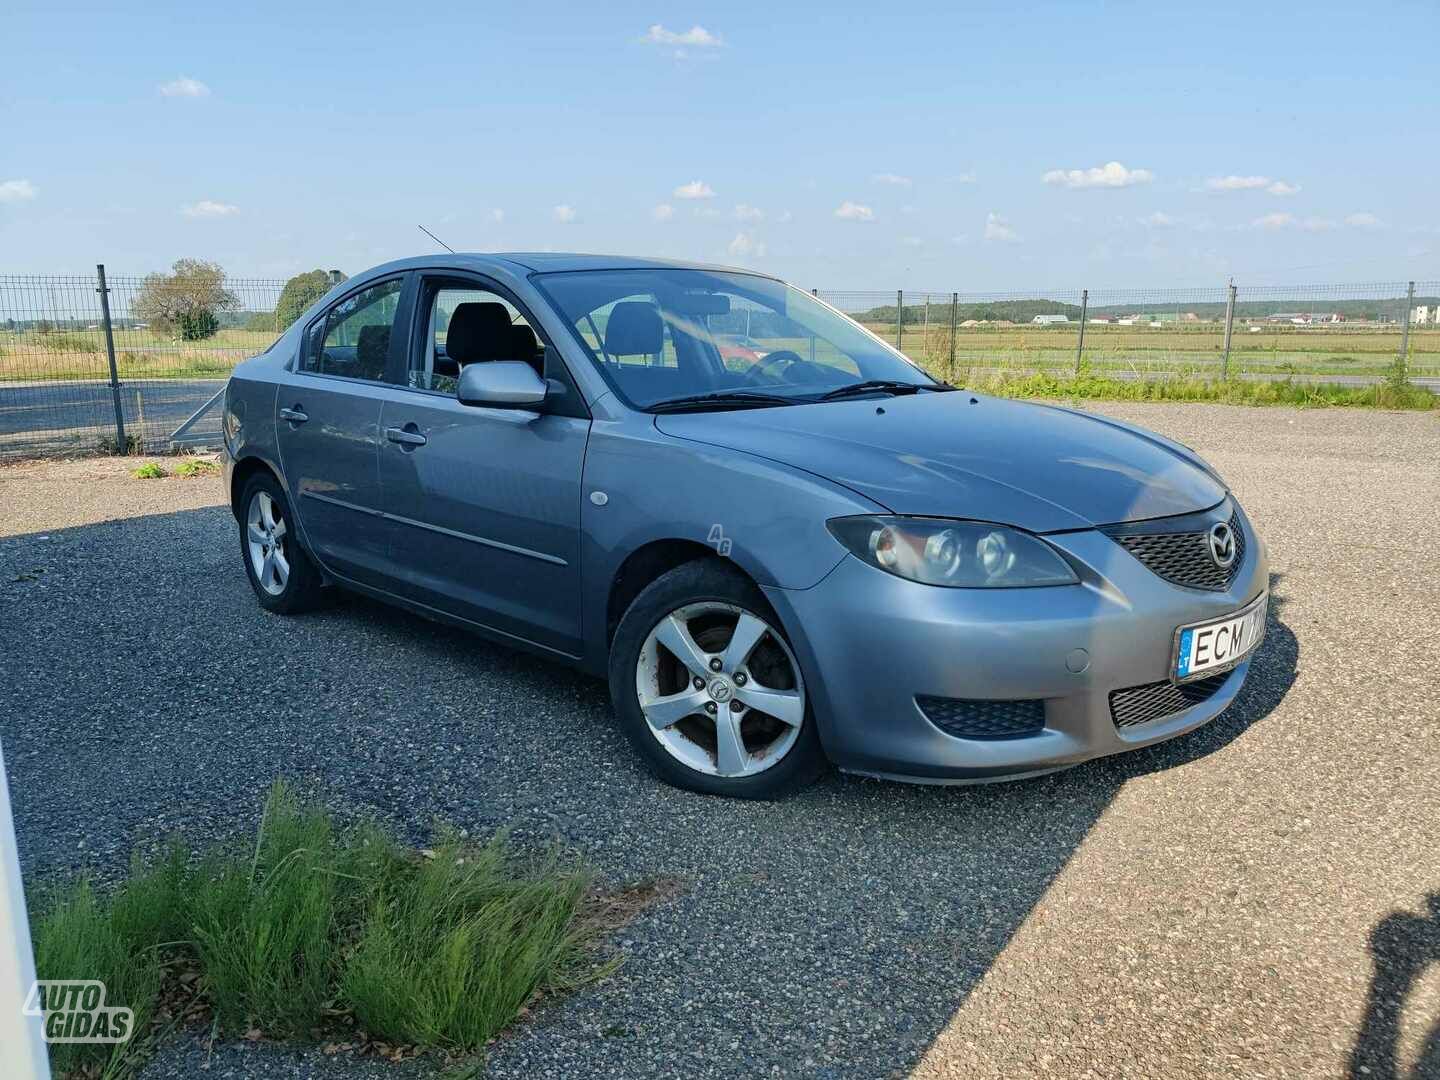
column 1158, row 220
column 912, row 241
column 1362, row 220
column 1317, row 224
column 497, row 215
column 1274, row 221
column 966, row 177
column 892, row 179
column 960, row 239
column 1251, row 183
column 706, row 212
column 695, row 189
column 697, row 37
column 785, row 217
column 663, row 212
column 17, row 191
column 746, row 212
column 745, row 245
column 185, row 86
column 998, row 229
column 208, row 208
column 1110, row 175
column 852, row 211
column 565, row 214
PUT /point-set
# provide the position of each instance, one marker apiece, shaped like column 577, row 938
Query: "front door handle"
column 295, row 415
column 407, row 436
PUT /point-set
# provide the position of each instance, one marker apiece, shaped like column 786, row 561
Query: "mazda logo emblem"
column 1222, row 545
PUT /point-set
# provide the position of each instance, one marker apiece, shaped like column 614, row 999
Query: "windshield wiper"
column 720, row 398
column 872, row 385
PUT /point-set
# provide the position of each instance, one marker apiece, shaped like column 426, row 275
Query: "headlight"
column 957, row 554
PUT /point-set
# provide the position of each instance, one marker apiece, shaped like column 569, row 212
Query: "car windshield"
column 661, row 335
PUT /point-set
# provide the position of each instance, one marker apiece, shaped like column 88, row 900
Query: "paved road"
column 1215, row 907
column 41, row 418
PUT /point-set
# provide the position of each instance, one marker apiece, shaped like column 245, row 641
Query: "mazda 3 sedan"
column 823, row 554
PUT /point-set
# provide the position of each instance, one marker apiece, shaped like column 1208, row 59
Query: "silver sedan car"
column 821, row 554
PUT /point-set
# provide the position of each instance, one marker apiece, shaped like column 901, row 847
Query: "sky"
column 960, row 146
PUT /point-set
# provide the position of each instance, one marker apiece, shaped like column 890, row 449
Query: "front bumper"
column 870, row 643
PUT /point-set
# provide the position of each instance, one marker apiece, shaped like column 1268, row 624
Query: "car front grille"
column 1183, row 558
column 970, row 719
column 1155, row 701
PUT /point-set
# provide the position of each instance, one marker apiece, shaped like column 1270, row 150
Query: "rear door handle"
column 295, row 415
column 405, row 436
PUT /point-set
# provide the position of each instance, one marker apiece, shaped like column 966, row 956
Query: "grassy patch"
column 1391, row 394
column 194, row 466
column 312, row 932
column 151, row 470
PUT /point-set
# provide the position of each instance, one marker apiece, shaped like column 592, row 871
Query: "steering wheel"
column 759, row 371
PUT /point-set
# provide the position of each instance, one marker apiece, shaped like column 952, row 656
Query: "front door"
column 483, row 504
column 328, row 426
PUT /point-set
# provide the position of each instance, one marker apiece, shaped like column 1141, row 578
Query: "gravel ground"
column 1216, row 906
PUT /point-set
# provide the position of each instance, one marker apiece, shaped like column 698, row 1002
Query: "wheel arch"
column 648, row 562
column 245, row 469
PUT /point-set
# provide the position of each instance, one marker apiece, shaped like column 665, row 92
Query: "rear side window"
column 353, row 340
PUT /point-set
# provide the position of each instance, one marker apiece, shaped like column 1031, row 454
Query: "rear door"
column 484, row 504
column 328, row 425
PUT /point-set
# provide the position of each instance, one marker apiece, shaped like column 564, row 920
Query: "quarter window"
column 356, row 334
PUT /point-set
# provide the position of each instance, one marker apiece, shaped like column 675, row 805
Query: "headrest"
column 523, row 342
column 372, row 348
column 478, row 331
column 634, row 329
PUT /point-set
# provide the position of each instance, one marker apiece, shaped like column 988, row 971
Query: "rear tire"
column 747, row 730
column 281, row 573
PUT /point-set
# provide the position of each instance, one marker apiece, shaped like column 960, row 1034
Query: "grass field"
column 1183, row 352
column 1186, row 352
column 139, row 354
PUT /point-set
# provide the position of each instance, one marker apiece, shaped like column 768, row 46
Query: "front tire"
column 281, row 573
column 708, row 689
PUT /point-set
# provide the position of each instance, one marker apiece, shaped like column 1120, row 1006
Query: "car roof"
column 523, row 262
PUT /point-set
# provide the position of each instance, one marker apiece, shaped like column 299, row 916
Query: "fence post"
column 1405, row 329
column 104, row 291
column 900, row 319
column 1080, row 344
column 1229, row 329
column 954, row 316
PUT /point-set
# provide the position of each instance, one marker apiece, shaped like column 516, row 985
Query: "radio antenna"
column 437, row 239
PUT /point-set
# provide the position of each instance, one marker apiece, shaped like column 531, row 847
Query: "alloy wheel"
column 720, row 689
column 265, row 535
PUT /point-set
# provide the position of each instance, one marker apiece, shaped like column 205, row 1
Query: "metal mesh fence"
column 58, row 393
column 1347, row 334
column 56, row 390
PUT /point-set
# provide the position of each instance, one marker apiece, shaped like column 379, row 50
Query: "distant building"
column 1425, row 314
column 1103, row 320
column 1050, row 320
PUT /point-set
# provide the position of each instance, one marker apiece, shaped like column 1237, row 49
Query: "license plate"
column 1217, row 645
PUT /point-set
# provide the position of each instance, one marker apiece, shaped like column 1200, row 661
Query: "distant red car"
column 738, row 351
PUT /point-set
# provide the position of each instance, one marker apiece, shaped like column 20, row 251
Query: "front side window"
column 353, row 340
column 662, row 334
column 470, row 325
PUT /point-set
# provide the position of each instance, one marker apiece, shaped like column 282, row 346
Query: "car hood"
column 966, row 455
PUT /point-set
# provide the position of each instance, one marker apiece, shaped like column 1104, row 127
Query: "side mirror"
column 501, row 384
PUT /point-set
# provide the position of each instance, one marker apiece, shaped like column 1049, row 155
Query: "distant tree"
column 187, row 301
column 43, row 326
column 261, row 321
column 299, row 293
